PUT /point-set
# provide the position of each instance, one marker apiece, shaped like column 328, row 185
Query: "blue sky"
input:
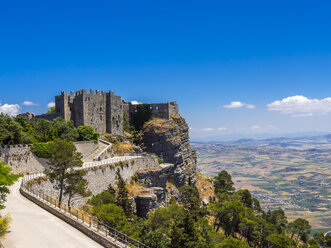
column 203, row 54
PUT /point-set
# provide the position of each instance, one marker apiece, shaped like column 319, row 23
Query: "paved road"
column 34, row 227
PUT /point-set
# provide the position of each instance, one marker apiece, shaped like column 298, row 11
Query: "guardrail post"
column 90, row 221
column 83, row 217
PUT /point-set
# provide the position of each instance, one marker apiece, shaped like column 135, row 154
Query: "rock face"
column 169, row 139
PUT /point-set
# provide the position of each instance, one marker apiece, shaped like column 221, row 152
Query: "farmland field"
column 294, row 174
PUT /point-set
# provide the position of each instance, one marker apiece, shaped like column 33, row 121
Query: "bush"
column 4, row 225
column 41, row 150
column 159, row 159
column 87, row 133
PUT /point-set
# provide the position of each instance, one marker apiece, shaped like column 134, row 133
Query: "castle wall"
column 77, row 110
column 115, row 114
column 95, row 111
column 21, row 159
column 104, row 112
column 159, row 110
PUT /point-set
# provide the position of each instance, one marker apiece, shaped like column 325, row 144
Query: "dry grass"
column 136, row 189
column 204, row 186
column 123, row 148
column 157, row 125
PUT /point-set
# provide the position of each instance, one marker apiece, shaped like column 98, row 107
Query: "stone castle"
column 104, row 111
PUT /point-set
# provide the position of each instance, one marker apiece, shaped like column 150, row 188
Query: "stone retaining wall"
column 86, row 147
column 21, row 159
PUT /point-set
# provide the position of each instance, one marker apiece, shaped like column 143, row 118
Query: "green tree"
column 320, row 238
column 43, row 130
column 110, row 214
column 279, row 241
column 301, row 228
column 228, row 215
column 223, row 183
column 11, row 132
column 75, row 184
column 65, row 130
column 164, row 218
column 231, row 242
column 87, row 133
column 278, row 219
column 64, row 157
column 105, row 197
column 185, row 234
column 6, row 179
column 122, row 198
column 155, row 239
column 114, row 217
column 245, row 197
column 51, row 110
column 189, row 197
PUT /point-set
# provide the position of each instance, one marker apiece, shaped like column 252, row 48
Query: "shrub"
column 87, row 133
column 41, row 150
column 160, row 160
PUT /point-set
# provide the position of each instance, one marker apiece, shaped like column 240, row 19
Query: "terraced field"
column 292, row 174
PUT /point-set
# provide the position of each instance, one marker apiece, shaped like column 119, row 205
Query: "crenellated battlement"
column 103, row 110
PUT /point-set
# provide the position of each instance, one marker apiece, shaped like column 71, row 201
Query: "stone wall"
column 21, row 159
column 159, row 110
column 115, row 114
column 86, row 147
column 104, row 112
column 100, row 178
column 95, row 111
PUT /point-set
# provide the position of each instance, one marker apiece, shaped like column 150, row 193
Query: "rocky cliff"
column 169, row 139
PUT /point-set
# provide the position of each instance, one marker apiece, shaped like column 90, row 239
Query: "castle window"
column 151, row 107
column 100, row 117
column 157, row 108
column 135, row 110
column 100, row 109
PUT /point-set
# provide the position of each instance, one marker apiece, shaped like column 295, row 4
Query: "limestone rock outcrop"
column 169, row 139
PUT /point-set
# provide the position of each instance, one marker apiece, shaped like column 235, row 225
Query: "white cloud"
column 29, row 103
column 255, row 127
column 135, row 102
column 207, row 129
column 299, row 106
column 235, row 104
column 191, row 128
column 51, row 104
column 221, row 128
column 238, row 104
column 10, row 109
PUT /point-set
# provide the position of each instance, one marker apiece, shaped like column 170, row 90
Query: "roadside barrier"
column 91, row 226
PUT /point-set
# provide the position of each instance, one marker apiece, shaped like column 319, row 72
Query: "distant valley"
column 291, row 173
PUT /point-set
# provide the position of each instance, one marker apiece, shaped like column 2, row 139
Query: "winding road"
column 34, row 227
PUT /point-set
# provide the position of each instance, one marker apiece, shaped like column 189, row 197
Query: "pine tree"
column 122, row 198
column 64, row 157
column 76, row 184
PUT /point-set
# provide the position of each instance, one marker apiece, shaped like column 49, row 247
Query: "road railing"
column 113, row 160
column 79, row 216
